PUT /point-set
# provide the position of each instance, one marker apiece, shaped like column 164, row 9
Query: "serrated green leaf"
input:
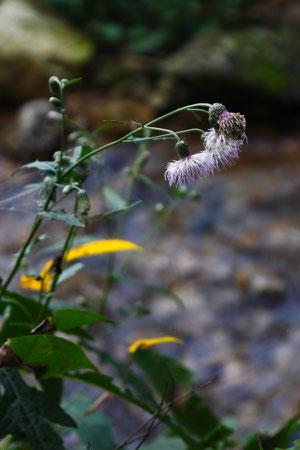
column 25, row 410
column 43, row 166
column 61, row 215
column 65, row 319
column 53, row 354
column 113, row 199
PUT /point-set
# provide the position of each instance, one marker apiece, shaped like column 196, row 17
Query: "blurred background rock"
column 233, row 256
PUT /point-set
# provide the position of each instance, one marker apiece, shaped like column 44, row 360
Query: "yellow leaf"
column 36, row 285
column 88, row 249
column 144, row 343
column 102, row 246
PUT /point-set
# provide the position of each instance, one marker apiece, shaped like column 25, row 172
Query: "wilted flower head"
column 222, row 142
column 185, row 170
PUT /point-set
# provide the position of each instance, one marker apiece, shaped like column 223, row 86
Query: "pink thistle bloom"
column 185, row 170
column 223, row 142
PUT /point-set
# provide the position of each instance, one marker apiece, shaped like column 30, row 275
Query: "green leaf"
column 20, row 314
column 25, row 410
column 53, row 354
column 106, row 383
column 65, row 319
column 111, row 213
column 74, row 80
column 43, row 166
column 116, row 121
column 166, row 374
column 166, row 444
column 61, row 215
column 69, row 272
column 94, row 430
column 113, row 199
column 125, row 373
column 80, row 151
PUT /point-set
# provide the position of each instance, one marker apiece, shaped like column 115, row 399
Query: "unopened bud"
column 194, row 195
column 64, row 81
column 181, row 191
column 68, row 188
column 54, row 86
column 48, row 180
column 83, row 198
column 57, row 157
column 214, row 112
column 159, row 209
column 55, row 102
column 182, row 149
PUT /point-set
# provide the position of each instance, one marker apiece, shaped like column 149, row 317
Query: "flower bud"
column 194, row 195
column 54, row 86
column 83, row 198
column 55, row 102
column 68, row 188
column 214, row 112
column 64, row 81
column 182, row 149
column 159, row 209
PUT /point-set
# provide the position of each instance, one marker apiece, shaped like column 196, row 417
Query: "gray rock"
column 35, row 45
column 35, row 136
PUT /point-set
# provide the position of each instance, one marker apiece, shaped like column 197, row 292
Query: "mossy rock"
column 260, row 60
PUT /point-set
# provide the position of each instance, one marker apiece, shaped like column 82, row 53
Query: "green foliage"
column 169, row 377
column 148, row 26
column 53, row 355
column 157, row 384
column 65, row 319
column 62, row 216
column 94, row 429
column 26, row 411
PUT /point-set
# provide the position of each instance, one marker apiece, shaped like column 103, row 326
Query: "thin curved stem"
column 122, row 139
column 173, row 133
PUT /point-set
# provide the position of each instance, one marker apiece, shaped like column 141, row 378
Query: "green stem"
column 63, row 131
column 122, row 139
column 109, row 279
column 34, row 228
column 164, row 129
column 166, row 135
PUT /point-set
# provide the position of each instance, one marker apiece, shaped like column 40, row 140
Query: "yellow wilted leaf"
column 36, row 285
column 102, row 246
column 88, row 249
column 141, row 344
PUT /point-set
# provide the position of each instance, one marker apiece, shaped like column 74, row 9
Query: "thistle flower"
column 222, row 142
column 185, row 170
